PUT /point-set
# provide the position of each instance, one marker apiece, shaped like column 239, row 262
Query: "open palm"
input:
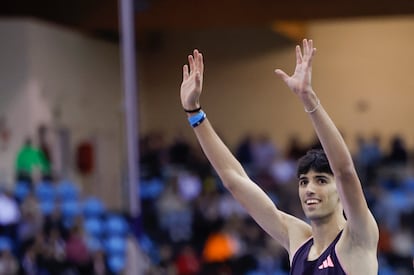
column 192, row 81
column 300, row 81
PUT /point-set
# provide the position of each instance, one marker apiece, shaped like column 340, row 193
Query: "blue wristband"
column 196, row 119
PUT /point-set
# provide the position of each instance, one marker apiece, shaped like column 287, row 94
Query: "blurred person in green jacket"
column 31, row 162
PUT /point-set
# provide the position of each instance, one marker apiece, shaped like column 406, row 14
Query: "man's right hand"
column 192, row 81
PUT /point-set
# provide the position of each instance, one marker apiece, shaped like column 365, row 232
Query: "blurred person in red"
column 77, row 252
column 187, row 261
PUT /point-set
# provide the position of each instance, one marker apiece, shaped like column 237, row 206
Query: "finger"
column 310, row 44
column 298, row 55
column 201, row 63
column 313, row 51
column 191, row 63
column 196, row 58
column 305, row 48
column 284, row 76
column 185, row 72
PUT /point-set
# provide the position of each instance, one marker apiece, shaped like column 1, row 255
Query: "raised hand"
column 192, row 81
column 300, row 81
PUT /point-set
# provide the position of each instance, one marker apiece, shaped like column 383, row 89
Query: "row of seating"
column 105, row 230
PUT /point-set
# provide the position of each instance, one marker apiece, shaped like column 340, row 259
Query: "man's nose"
column 310, row 188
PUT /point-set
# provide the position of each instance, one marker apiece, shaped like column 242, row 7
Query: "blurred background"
column 68, row 203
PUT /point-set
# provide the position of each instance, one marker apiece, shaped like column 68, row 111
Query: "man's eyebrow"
column 321, row 177
column 303, row 177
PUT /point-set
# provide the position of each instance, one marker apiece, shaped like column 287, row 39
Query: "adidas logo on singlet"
column 326, row 263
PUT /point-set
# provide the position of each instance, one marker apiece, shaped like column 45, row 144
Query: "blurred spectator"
column 46, row 146
column 179, row 152
column 55, row 220
column 207, row 205
column 272, row 258
column 30, row 265
column 8, row 263
column 55, row 254
column 398, row 154
column 187, row 261
column 189, row 185
column 166, row 263
column 31, row 160
column 264, row 152
column 153, row 155
column 175, row 215
column 34, row 252
column 100, row 264
column 225, row 243
column 30, row 205
column 9, row 215
column 402, row 243
column 384, row 244
column 295, row 149
column 283, row 170
column 28, row 227
column 229, row 207
column 220, row 249
column 77, row 252
column 368, row 159
column 244, row 151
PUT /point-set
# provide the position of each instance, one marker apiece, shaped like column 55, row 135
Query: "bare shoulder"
column 358, row 256
column 299, row 233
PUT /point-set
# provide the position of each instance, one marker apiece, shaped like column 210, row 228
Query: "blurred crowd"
column 49, row 227
column 191, row 224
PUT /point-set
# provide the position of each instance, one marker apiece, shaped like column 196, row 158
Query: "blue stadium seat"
column 67, row 190
column 116, row 225
column 6, row 244
column 115, row 245
column 94, row 227
column 94, row 244
column 47, row 206
column 93, row 207
column 70, row 208
column 45, row 191
column 21, row 190
column 116, row 264
column 408, row 184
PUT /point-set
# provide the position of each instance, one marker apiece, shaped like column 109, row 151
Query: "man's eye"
column 302, row 182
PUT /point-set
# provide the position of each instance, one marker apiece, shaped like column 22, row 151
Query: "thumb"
column 282, row 74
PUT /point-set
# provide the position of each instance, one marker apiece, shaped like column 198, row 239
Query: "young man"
column 328, row 184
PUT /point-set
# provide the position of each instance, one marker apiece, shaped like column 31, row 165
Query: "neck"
column 325, row 230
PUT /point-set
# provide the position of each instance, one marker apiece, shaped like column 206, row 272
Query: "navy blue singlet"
column 326, row 264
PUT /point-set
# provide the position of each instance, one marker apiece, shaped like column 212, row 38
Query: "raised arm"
column 286, row 229
column 360, row 222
